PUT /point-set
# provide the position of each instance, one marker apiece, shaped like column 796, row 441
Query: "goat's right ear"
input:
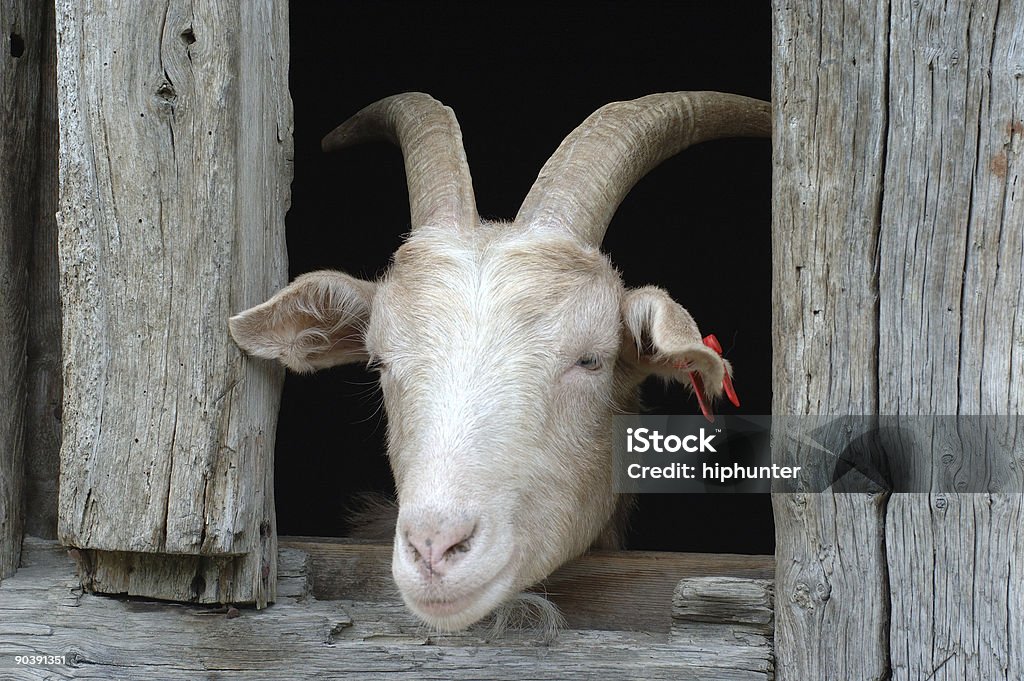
column 317, row 321
column 668, row 342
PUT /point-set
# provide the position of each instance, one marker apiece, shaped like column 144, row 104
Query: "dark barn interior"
column 520, row 76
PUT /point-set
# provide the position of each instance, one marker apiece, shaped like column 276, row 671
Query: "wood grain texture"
column 175, row 164
column 42, row 610
column 44, row 384
column 952, row 275
column 21, row 62
column 724, row 600
column 829, row 99
column 712, row 611
column 958, row 591
column 606, row 590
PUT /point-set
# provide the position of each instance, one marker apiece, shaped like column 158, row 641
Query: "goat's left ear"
column 315, row 322
column 668, row 343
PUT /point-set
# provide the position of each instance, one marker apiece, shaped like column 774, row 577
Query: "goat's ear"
column 667, row 341
column 315, row 322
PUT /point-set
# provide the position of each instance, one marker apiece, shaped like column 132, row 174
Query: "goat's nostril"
column 461, row 547
column 435, row 546
column 416, row 555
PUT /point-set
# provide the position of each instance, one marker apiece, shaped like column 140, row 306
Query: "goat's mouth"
column 456, row 611
column 441, row 607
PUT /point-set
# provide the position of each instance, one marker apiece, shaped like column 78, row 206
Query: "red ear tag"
column 698, row 389
column 712, row 342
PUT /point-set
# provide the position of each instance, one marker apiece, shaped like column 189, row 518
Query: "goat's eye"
column 589, row 362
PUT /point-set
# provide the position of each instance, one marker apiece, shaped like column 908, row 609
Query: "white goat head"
column 503, row 349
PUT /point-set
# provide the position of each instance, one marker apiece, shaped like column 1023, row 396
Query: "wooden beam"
column 21, row 68
column 607, row 590
column 43, row 612
column 951, row 275
column 830, row 101
column 727, row 611
column 175, row 164
column 746, row 603
column 898, row 184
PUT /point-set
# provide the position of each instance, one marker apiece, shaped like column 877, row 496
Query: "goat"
column 504, row 348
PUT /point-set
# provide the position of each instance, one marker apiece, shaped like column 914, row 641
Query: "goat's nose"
column 436, row 544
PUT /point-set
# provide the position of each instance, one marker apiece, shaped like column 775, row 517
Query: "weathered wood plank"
column 714, row 611
column 724, row 600
column 951, row 271
column 43, row 611
column 608, row 590
column 633, row 589
column 44, row 386
column 957, row 599
column 21, row 63
column 175, row 164
column 829, row 100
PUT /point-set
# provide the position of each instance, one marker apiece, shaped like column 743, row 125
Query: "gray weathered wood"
column 724, row 600
column 633, row 589
column 957, row 586
column 929, row 100
column 43, row 379
column 20, row 77
column 829, row 97
column 42, row 610
column 175, row 163
column 609, row 590
column 714, row 611
column 951, row 271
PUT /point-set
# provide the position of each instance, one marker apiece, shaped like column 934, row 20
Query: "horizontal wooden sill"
column 721, row 627
column 605, row 590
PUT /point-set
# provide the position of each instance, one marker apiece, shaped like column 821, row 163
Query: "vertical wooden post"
column 175, row 164
column 829, row 146
column 21, row 23
column 951, row 272
column 898, row 290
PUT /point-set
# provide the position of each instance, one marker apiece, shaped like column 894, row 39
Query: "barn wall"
column 21, row 69
column 175, row 164
column 828, row 150
column 898, row 290
column 951, row 273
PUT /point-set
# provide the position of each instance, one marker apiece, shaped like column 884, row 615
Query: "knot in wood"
column 823, row 591
column 166, row 92
column 802, row 596
column 17, row 45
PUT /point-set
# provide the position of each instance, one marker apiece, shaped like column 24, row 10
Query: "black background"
column 520, row 76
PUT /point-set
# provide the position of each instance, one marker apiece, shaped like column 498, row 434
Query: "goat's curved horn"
column 583, row 182
column 440, row 186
